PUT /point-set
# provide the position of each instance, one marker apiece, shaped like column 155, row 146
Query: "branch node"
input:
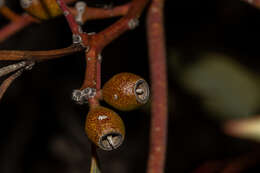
column 66, row 13
column 133, row 23
column 81, row 96
column 76, row 39
column 30, row 65
column 11, row 68
column 100, row 58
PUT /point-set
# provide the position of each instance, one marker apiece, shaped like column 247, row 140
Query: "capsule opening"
column 111, row 141
column 142, row 92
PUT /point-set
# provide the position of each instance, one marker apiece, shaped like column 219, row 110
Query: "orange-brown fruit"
column 105, row 128
column 126, row 91
column 41, row 9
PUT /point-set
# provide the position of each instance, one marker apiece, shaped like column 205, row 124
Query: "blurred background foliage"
column 213, row 69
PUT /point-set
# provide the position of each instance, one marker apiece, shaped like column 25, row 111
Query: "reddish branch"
column 92, row 13
column 9, row 14
column 156, row 43
column 98, row 41
column 14, row 55
column 15, row 26
column 70, row 18
column 19, row 22
column 112, row 32
column 7, row 82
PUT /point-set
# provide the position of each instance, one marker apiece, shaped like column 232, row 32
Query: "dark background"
column 42, row 129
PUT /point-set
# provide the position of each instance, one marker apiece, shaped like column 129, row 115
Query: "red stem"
column 15, row 55
column 8, row 13
column 92, row 75
column 7, row 82
column 99, row 61
column 15, row 26
column 157, row 54
column 90, row 14
column 100, row 13
column 91, row 69
column 75, row 28
column 114, row 31
column 98, row 41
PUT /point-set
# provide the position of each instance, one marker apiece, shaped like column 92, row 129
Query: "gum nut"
column 105, row 128
column 126, row 91
column 41, row 9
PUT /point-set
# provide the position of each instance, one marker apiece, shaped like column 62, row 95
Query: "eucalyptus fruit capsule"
column 41, row 9
column 126, row 91
column 105, row 128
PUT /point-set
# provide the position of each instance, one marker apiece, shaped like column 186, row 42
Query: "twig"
column 13, row 55
column 8, row 13
column 127, row 22
column 92, row 75
column 20, row 22
column 157, row 54
column 11, row 68
column 98, row 41
column 75, row 28
column 99, row 61
column 7, row 82
column 92, row 13
column 15, row 26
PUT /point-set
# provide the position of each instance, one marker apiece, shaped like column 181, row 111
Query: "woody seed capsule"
column 105, row 128
column 41, row 9
column 126, row 91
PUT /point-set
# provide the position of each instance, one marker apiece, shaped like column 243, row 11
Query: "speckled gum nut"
column 41, row 9
column 126, row 91
column 105, row 128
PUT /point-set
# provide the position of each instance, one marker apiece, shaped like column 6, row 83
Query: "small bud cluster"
column 82, row 96
column 80, row 7
column 41, row 9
